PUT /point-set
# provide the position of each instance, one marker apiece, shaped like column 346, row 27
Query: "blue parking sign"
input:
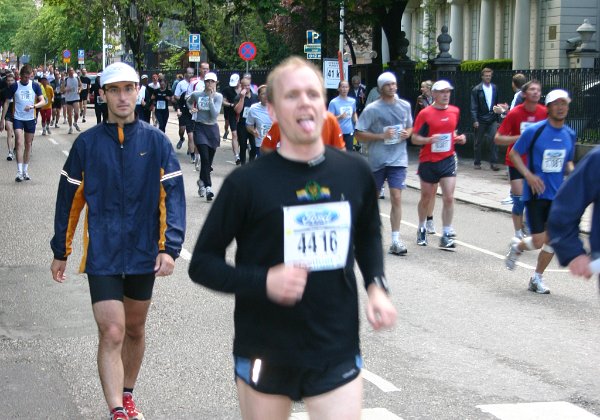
column 194, row 44
column 80, row 54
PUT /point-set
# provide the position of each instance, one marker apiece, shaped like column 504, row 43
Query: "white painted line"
column 366, row 414
column 51, row 140
column 66, row 152
column 482, row 250
column 378, row 381
column 558, row 410
column 185, row 254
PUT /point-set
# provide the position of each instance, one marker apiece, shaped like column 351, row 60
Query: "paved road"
column 471, row 341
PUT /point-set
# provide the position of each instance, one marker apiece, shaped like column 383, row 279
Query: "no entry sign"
column 247, row 51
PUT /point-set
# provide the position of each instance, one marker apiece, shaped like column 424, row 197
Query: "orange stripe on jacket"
column 86, row 241
column 162, row 212
column 76, row 207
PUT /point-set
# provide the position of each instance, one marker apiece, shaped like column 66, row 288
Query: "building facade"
column 535, row 34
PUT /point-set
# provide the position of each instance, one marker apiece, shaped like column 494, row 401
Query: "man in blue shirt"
column 550, row 147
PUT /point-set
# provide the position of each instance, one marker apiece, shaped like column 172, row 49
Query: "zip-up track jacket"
column 131, row 184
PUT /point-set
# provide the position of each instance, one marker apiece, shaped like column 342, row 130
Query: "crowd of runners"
column 335, row 159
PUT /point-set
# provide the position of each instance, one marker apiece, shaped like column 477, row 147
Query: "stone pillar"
column 486, row 31
column 520, row 50
column 456, row 28
column 406, row 26
column 498, row 30
column 425, row 35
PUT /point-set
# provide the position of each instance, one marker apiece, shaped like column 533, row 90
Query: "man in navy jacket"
column 580, row 190
column 127, row 174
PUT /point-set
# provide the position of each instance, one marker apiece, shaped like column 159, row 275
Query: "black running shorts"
column 134, row 286
column 432, row 172
column 296, row 382
column 537, row 214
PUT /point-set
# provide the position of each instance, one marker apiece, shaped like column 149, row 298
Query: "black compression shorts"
column 134, row 286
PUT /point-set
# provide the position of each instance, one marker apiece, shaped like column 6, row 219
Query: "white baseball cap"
column 555, row 94
column 119, row 72
column 442, row 85
column 234, row 80
column 210, row 76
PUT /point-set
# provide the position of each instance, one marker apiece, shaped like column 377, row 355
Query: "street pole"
column 103, row 43
column 341, row 42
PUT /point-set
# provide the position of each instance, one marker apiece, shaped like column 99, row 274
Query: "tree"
column 14, row 15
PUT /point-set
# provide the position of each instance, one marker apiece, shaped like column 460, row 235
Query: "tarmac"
column 481, row 187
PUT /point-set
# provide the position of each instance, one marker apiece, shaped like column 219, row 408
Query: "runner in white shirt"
column 71, row 89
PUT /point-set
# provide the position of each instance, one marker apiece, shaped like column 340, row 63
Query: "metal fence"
column 582, row 84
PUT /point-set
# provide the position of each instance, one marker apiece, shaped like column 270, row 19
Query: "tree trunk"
column 390, row 22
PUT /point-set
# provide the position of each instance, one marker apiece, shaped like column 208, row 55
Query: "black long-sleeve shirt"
column 323, row 326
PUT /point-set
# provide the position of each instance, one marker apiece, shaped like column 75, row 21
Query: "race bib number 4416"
column 317, row 236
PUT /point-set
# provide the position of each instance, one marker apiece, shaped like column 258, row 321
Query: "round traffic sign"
column 247, row 51
column 66, row 54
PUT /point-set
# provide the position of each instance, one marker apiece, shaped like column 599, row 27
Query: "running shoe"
column 451, row 233
column 507, row 200
column 10, row 156
column 225, row 135
column 83, row 119
column 430, row 227
column 201, row 188
column 76, row 127
column 238, row 161
column 192, row 158
column 64, row 120
column 26, row 176
column 179, row 144
column 118, row 415
column 446, row 242
column 382, row 193
column 56, row 125
column 129, row 405
column 19, row 177
column 209, row 194
column 513, row 254
column 48, row 130
column 422, row 237
column 70, row 130
column 536, row 284
column 398, row 248
column 44, row 132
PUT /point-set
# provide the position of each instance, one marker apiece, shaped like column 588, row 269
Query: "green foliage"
column 174, row 61
column 12, row 16
column 494, row 64
column 422, row 65
column 429, row 50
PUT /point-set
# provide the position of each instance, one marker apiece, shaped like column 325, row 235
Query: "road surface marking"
column 66, row 152
column 482, row 250
column 367, row 414
column 557, row 410
column 51, row 140
column 378, row 381
column 185, row 254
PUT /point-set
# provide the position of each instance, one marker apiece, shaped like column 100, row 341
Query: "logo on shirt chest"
column 312, row 192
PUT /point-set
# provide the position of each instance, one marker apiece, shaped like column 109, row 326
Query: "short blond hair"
column 293, row 62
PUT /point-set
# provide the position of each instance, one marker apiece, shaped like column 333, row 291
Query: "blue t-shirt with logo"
column 552, row 150
column 337, row 106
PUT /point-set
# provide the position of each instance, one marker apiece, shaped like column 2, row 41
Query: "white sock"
column 25, row 166
column 422, row 225
column 395, row 236
column 447, row 229
column 20, row 168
